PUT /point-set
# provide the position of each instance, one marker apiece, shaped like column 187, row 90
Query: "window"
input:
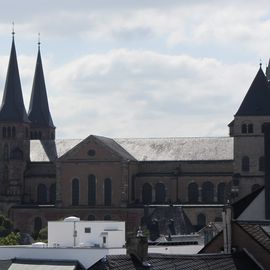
column 75, row 192
column 87, row 230
column 261, row 164
column 108, row 191
column 250, row 128
column 193, row 193
column 91, row 153
column 42, row 194
column 8, row 132
column 221, row 192
column 17, row 154
column 207, row 192
column 53, row 193
column 147, row 193
column 37, row 225
column 6, row 152
column 40, row 135
column 4, row 132
column 91, row 190
column 201, row 220
column 104, row 240
column 245, row 164
column 160, row 193
column 13, row 131
column 244, row 128
column 107, row 217
column 91, row 217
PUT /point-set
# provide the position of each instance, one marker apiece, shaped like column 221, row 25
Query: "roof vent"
column 71, row 219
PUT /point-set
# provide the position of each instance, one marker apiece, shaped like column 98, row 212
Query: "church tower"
column 14, row 133
column 247, row 130
column 42, row 127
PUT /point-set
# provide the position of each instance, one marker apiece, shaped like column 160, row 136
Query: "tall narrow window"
column 53, row 193
column 4, row 131
column 75, row 192
column 41, row 194
column 244, row 128
column 107, row 191
column 250, row 128
column 8, row 132
column 201, row 220
column 261, row 164
column 147, row 193
column 160, row 193
column 221, row 192
column 37, row 225
column 13, row 131
column 245, row 164
column 91, row 190
column 207, row 192
column 193, row 193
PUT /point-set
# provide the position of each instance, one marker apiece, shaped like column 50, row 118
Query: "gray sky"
column 138, row 68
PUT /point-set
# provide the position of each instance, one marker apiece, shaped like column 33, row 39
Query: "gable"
column 96, row 148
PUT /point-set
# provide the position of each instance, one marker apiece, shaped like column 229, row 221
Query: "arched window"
column 201, row 220
column 221, row 189
column 107, row 191
column 37, row 225
column 4, row 132
column 107, row 217
column 13, row 132
column 147, row 193
column 75, row 192
column 160, row 193
column 42, row 194
column 91, row 190
column 250, row 128
column 53, row 193
column 8, row 132
column 207, row 192
column 245, row 164
column 244, row 128
column 193, row 193
column 255, row 187
column 261, row 164
column 91, row 217
column 6, row 152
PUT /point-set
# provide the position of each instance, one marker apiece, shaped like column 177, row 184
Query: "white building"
column 75, row 233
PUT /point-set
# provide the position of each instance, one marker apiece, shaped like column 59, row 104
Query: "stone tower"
column 14, row 133
column 42, row 127
column 247, row 130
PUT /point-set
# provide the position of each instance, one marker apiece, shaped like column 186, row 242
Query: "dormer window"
column 91, row 153
column 247, row 128
column 244, row 128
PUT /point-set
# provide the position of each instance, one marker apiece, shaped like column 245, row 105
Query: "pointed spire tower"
column 12, row 108
column 42, row 126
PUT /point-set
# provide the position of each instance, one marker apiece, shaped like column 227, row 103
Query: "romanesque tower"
column 247, row 130
column 14, row 127
column 42, row 127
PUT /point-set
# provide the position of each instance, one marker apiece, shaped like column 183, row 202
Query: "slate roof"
column 257, row 99
column 145, row 149
column 257, row 231
column 240, row 205
column 39, row 112
column 236, row 261
column 12, row 108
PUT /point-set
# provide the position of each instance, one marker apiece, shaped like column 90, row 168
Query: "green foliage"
column 11, row 239
column 5, row 226
column 43, row 234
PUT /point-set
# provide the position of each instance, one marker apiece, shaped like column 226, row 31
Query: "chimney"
column 137, row 247
column 266, row 130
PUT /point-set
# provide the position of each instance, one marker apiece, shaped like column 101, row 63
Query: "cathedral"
column 44, row 178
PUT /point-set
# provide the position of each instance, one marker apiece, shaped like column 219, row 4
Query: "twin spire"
column 12, row 108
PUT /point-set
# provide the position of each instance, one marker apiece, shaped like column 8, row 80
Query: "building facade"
column 43, row 178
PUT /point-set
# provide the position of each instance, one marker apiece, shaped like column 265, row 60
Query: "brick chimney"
column 266, row 130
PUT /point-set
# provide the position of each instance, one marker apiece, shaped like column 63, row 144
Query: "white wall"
column 62, row 233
